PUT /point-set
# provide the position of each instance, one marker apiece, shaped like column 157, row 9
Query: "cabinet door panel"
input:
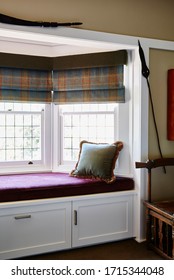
column 41, row 230
column 102, row 220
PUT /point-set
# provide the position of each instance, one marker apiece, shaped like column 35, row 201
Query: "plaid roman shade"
column 90, row 78
column 99, row 84
column 25, row 85
column 96, row 77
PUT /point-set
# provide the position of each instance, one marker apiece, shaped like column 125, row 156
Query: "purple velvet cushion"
column 49, row 185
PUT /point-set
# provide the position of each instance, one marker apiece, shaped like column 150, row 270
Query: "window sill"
column 21, row 170
column 66, row 168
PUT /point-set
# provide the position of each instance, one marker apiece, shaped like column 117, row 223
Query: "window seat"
column 51, row 185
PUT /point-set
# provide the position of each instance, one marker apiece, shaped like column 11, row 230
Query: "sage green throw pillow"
column 97, row 161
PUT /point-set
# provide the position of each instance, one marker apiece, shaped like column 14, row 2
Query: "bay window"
column 44, row 115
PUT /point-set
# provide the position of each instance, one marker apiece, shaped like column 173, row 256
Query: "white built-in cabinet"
column 41, row 226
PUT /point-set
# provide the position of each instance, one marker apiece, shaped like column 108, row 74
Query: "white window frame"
column 10, row 167
column 115, row 113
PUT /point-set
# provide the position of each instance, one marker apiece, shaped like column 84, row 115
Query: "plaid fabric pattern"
column 25, row 85
column 100, row 84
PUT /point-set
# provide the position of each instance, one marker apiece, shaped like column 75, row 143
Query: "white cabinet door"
column 34, row 229
column 102, row 220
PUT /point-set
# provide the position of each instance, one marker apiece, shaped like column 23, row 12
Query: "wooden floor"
column 120, row 250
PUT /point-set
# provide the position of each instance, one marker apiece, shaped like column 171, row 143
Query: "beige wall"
column 160, row 62
column 142, row 18
column 146, row 18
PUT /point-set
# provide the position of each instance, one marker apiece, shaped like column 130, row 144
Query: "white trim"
column 52, row 37
column 52, row 42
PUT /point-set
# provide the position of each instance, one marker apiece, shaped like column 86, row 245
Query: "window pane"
column 75, row 143
column 27, row 131
column 75, row 154
column 8, row 106
column 36, row 132
column 67, row 143
column 20, row 131
column 10, row 155
column 2, row 155
column 27, row 120
column 36, row 154
column 36, row 119
column 83, row 132
column 1, row 106
column 77, row 107
column 109, row 119
column 94, row 107
column 27, row 143
column 10, row 143
column 75, row 120
column 2, row 143
column 101, row 120
column 75, row 131
column 35, row 143
column 19, row 142
column 91, row 122
column 9, row 119
column 110, row 133
column 36, row 107
column 19, row 154
column 17, row 106
column 67, row 154
column 67, row 132
column 92, row 132
column 84, row 120
column 2, row 119
column 19, row 119
column 2, row 130
column 67, row 120
column 26, row 107
column 10, row 131
column 27, row 154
